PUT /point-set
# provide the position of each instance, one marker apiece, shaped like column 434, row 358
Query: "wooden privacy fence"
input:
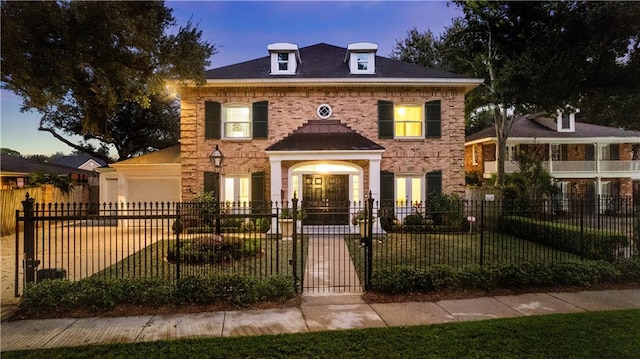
column 11, row 200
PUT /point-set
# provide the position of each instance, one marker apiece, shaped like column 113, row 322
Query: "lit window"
column 408, row 189
column 236, row 189
column 237, row 121
column 474, row 154
column 408, row 120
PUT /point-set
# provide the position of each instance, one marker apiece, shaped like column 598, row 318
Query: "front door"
column 326, row 199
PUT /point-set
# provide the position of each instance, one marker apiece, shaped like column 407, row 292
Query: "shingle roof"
column 526, row 126
column 16, row 164
column 324, row 135
column 327, row 61
column 165, row 155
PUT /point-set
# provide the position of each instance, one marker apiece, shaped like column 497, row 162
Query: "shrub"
column 406, row 279
column 446, row 209
column 263, row 225
column 213, row 249
column 101, row 293
column 592, row 244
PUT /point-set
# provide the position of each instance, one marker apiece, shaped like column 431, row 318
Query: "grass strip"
column 611, row 334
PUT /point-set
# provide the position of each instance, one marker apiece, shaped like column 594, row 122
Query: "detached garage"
column 154, row 177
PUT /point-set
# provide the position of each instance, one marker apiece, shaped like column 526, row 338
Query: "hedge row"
column 103, row 294
column 591, row 243
column 405, row 279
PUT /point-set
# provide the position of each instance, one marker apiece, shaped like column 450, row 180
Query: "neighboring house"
column 324, row 123
column 153, row 177
column 584, row 159
column 15, row 171
column 87, row 163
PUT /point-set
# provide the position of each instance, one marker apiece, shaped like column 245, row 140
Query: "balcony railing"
column 581, row 167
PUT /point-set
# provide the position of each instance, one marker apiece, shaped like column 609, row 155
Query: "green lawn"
column 457, row 250
column 584, row 335
column 151, row 261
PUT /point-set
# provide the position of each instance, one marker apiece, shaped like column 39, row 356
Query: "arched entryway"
column 326, row 190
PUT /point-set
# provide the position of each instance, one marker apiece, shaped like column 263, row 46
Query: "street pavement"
column 318, row 312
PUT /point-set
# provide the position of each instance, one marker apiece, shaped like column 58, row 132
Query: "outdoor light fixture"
column 216, row 159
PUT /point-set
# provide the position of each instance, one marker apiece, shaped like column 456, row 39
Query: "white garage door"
column 153, row 190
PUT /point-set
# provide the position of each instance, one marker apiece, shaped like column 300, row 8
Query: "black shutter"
column 434, row 182
column 387, row 189
column 212, row 119
column 433, row 119
column 589, row 153
column 564, row 152
column 212, row 184
column 385, row 119
column 261, row 120
column 614, row 152
column 257, row 190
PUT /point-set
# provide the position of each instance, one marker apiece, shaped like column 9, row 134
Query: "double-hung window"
column 408, row 120
column 236, row 119
column 283, row 61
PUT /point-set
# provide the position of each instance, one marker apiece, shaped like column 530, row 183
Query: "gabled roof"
column 325, row 135
column 526, row 126
column 164, row 156
column 323, row 61
column 77, row 161
column 17, row 165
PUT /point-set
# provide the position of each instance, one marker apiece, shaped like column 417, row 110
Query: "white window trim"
column 422, row 120
column 371, row 62
column 474, row 154
column 291, row 68
column 572, row 121
column 223, row 121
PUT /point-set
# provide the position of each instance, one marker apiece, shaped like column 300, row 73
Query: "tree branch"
column 87, row 149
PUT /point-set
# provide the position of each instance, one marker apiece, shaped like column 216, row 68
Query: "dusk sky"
column 241, row 31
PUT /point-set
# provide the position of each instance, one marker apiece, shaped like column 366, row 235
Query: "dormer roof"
column 324, row 63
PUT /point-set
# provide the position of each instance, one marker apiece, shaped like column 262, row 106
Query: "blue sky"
column 241, row 31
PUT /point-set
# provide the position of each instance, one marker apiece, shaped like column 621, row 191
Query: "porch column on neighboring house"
column 550, row 158
column 598, row 186
column 596, row 148
column 374, row 179
column 276, row 181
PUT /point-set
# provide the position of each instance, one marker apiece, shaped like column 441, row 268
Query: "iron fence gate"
column 174, row 240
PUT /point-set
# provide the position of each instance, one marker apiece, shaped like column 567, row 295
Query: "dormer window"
column 566, row 120
column 361, row 58
column 284, row 58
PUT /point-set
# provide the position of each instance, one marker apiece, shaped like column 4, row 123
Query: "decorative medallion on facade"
column 324, row 111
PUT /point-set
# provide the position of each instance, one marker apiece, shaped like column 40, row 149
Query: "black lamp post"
column 216, row 158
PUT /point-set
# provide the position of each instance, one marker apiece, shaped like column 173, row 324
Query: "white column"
column 276, row 181
column 374, row 179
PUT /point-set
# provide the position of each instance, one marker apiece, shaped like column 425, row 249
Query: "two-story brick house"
column 584, row 159
column 325, row 123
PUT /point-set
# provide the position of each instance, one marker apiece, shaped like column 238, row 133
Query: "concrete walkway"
column 318, row 312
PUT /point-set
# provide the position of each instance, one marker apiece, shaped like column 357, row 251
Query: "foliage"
column 592, row 244
column 532, row 181
column 417, row 48
column 585, row 273
column 99, row 293
column 287, row 213
column 539, row 56
column 114, row 93
column 212, row 249
column 446, row 209
column 64, row 183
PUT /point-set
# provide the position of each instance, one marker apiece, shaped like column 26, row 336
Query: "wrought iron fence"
column 329, row 247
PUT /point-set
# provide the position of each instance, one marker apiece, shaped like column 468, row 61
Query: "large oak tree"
column 546, row 56
column 99, row 70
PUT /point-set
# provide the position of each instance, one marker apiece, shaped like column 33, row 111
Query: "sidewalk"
column 317, row 313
